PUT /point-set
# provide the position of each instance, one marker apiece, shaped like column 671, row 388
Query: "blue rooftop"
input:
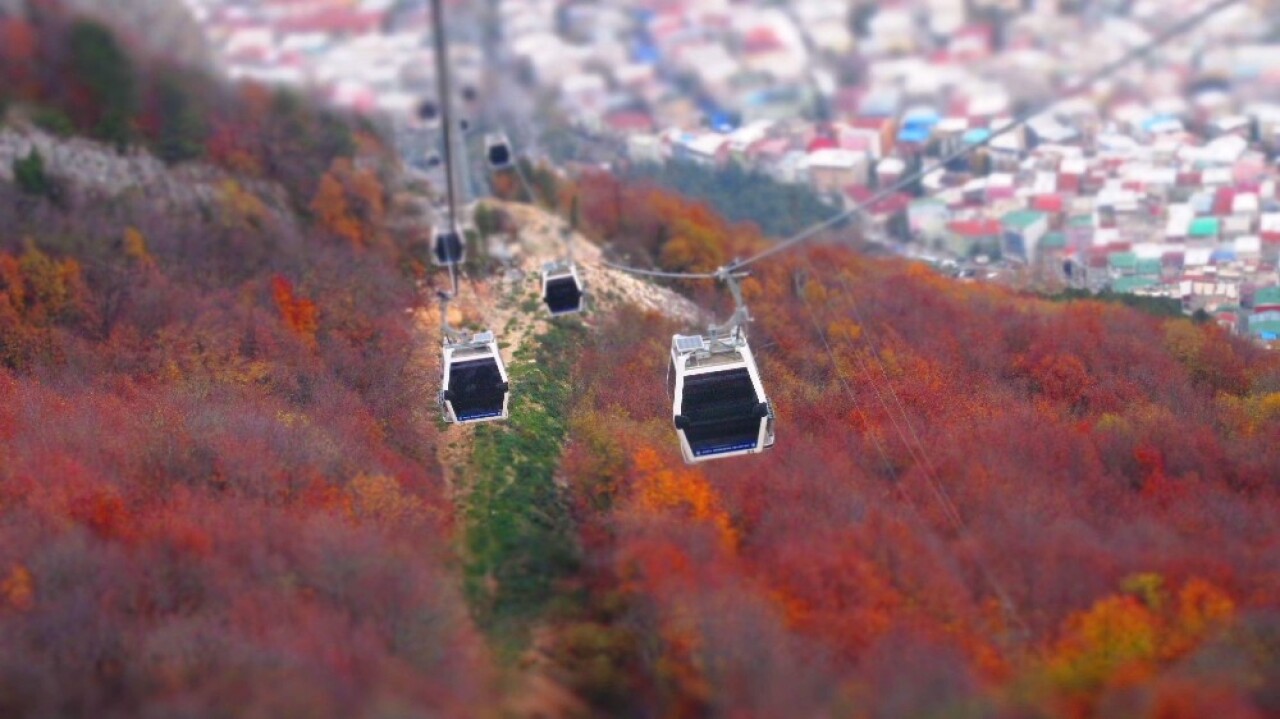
column 910, row 133
column 976, row 135
column 921, row 117
column 646, row 55
column 1156, row 120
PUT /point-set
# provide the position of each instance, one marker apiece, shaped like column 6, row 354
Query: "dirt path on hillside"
column 502, row 303
column 541, row 241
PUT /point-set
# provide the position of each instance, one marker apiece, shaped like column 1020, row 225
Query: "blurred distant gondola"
column 448, row 245
column 497, row 151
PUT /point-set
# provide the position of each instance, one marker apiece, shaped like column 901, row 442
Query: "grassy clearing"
column 520, row 540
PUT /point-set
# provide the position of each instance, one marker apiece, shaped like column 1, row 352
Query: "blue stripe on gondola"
column 478, row 415
column 724, row 449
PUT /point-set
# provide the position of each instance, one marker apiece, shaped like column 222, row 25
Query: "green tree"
column 740, row 195
column 54, row 121
column 30, row 175
column 183, row 130
column 105, row 71
column 487, row 220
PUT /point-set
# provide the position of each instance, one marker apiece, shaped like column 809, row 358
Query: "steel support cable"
column 660, row 273
column 1178, row 29
column 910, row 437
column 874, row 384
column 949, row 509
column 444, row 85
column 875, row 355
column 853, row 397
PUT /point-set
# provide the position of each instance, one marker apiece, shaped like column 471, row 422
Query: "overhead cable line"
column 444, row 82
column 1178, row 29
column 918, row 452
column 661, row 273
column 848, row 390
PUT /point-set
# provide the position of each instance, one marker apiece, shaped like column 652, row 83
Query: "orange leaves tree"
column 41, row 299
column 299, row 314
column 1124, row 639
column 1078, row 445
column 349, row 202
column 224, row 469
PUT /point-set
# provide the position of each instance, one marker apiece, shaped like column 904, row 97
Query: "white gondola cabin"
column 448, row 244
column 497, row 151
column 475, row 387
column 563, row 291
column 718, row 401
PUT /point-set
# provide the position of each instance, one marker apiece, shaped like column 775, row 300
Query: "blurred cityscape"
column 1160, row 181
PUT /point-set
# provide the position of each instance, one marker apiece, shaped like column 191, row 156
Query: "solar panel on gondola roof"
column 688, row 343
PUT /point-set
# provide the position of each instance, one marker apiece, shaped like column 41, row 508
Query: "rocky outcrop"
column 91, row 168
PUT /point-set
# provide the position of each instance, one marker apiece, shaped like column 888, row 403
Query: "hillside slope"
column 218, row 493
column 980, row 502
column 225, row 489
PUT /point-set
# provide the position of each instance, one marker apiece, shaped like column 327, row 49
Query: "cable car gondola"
column 475, row 387
column 497, row 151
column 448, row 244
column 719, row 404
column 563, row 291
column 428, row 111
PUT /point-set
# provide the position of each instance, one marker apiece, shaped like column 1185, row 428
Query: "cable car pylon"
column 719, row 406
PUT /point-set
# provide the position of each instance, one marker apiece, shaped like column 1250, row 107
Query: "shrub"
column 53, row 121
column 29, row 173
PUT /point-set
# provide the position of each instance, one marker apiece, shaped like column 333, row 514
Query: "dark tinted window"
column 720, row 408
column 563, row 295
column 448, row 248
column 475, row 388
column 499, row 155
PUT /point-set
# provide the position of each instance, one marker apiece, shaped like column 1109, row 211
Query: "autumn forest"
column 222, row 490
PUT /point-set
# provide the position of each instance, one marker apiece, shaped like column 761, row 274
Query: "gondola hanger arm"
column 451, row 334
column 735, row 327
